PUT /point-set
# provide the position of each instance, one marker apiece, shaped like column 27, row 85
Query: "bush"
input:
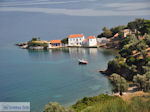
column 35, row 44
column 55, row 107
column 114, row 65
column 89, row 101
column 125, row 52
column 131, row 60
column 142, row 81
column 120, row 84
column 148, row 58
column 65, row 40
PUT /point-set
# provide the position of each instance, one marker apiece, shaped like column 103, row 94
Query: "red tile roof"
column 55, row 41
column 85, row 40
column 91, row 37
column 116, row 35
column 75, row 35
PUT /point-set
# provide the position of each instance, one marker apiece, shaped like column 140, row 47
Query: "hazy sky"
column 80, row 7
column 20, row 20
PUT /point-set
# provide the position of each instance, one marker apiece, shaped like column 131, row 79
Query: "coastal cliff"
column 133, row 60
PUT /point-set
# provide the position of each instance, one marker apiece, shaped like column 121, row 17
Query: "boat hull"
column 84, row 63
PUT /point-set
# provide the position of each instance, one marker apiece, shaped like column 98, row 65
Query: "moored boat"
column 81, row 61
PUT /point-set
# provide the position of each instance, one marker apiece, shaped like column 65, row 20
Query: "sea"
column 40, row 77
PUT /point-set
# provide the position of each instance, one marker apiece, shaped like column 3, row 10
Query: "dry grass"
column 127, row 97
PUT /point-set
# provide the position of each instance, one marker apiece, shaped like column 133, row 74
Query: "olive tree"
column 120, row 84
column 55, row 107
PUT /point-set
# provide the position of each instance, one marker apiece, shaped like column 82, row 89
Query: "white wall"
column 92, row 42
column 75, row 41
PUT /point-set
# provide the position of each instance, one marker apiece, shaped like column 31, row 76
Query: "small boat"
column 82, row 61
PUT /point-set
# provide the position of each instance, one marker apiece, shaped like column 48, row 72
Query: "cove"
column 54, row 75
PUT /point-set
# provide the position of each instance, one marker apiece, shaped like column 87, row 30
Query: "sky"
column 20, row 20
column 80, row 7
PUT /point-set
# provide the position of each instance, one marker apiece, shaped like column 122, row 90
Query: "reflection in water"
column 39, row 55
column 77, row 52
column 108, row 52
column 92, row 51
column 55, row 54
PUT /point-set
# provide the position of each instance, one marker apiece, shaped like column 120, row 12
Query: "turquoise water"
column 54, row 75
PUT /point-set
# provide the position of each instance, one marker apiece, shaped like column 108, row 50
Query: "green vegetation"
column 104, row 103
column 117, row 29
column 138, row 27
column 36, row 42
column 143, row 81
column 133, row 61
column 120, row 84
column 35, row 38
column 108, row 33
column 146, row 27
column 55, row 107
column 65, row 40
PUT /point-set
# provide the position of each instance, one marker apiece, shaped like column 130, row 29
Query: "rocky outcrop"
column 123, row 71
column 36, row 48
column 22, row 44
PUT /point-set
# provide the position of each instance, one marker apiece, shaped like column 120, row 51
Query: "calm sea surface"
column 44, row 76
column 54, row 75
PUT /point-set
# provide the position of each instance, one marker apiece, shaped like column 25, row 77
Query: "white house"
column 127, row 32
column 102, row 40
column 90, row 41
column 54, row 44
column 75, row 40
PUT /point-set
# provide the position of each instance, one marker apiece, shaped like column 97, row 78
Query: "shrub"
column 89, row 101
column 120, row 84
column 131, row 60
column 65, row 40
column 55, row 107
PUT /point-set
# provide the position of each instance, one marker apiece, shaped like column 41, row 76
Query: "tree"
column 34, row 39
column 104, row 29
column 65, row 40
column 106, row 32
column 140, row 81
column 131, row 60
column 146, row 69
column 120, row 84
column 121, row 34
column 139, row 23
column 136, row 25
column 146, row 27
column 55, row 107
column 147, row 40
column 143, row 81
column 141, row 46
column 117, row 29
column 113, row 65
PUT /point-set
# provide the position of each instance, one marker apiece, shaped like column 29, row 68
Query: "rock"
column 24, row 47
column 22, row 44
column 102, row 71
column 36, row 48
